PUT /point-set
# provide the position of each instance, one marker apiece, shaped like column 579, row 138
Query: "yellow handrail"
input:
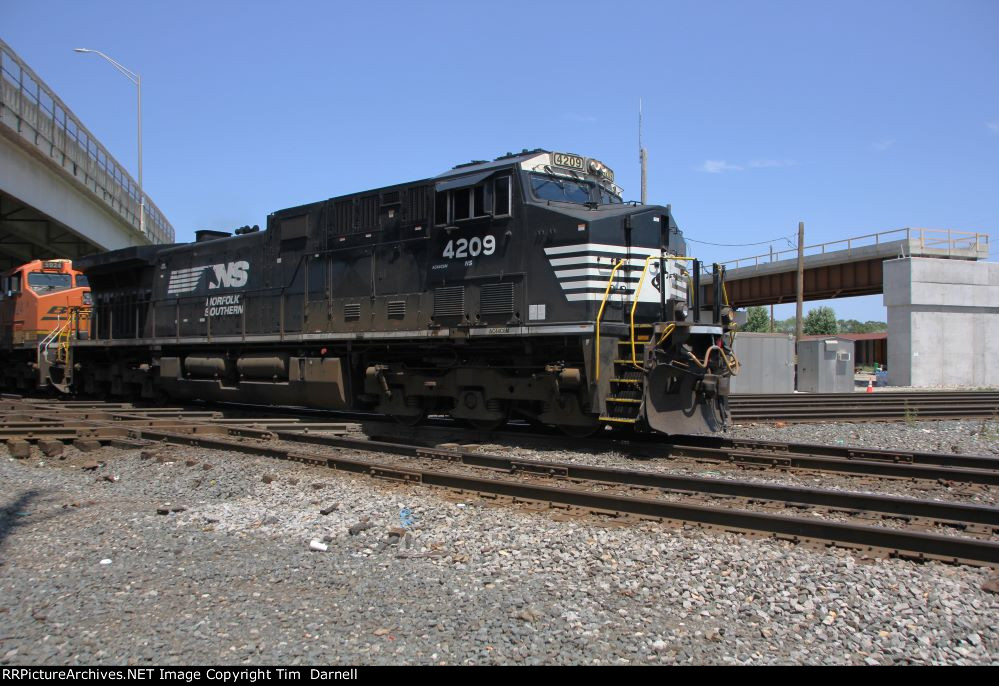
column 600, row 314
column 65, row 335
column 634, row 305
column 666, row 332
column 638, row 290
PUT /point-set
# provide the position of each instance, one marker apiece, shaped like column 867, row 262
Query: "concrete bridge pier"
column 943, row 322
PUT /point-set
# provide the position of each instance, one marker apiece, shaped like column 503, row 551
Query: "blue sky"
column 854, row 117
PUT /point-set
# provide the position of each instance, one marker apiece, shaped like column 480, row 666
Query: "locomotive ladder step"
column 628, row 381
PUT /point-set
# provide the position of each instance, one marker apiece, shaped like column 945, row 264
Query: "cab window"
column 41, row 282
column 472, row 202
column 551, row 187
column 608, row 198
column 81, row 281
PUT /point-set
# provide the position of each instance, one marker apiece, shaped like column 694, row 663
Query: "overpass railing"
column 39, row 117
column 939, row 241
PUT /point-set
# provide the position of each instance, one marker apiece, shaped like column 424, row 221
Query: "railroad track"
column 746, row 506
column 940, row 467
column 864, row 407
column 745, row 453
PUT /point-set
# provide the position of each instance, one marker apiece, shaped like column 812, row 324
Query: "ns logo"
column 227, row 275
column 231, row 275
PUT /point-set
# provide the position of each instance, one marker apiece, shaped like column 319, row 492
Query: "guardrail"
column 41, row 118
column 946, row 241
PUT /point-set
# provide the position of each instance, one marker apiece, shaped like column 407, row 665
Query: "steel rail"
column 864, row 406
column 906, row 543
column 845, row 452
column 279, row 429
column 902, row 543
column 795, row 495
column 796, row 456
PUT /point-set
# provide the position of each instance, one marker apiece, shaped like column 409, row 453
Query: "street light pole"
column 137, row 80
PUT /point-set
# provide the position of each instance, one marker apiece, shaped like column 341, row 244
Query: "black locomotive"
column 518, row 288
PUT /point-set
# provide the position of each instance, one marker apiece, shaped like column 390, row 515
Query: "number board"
column 51, row 265
column 561, row 159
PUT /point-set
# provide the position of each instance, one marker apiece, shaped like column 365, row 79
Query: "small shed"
column 868, row 348
column 825, row 365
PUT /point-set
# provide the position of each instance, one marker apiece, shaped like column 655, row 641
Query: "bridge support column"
column 943, row 322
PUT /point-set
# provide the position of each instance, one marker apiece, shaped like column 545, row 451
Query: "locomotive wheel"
column 501, row 406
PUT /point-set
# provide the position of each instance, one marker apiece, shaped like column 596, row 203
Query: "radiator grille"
column 343, row 217
column 449, row 301
column 352, row 312
column 419, row 208
column 367, row 213
column 496, row 298
column 396, row 309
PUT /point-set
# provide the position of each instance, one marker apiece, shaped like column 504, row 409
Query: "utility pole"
column 771, row 304
column 643, row 156
column 801, row 283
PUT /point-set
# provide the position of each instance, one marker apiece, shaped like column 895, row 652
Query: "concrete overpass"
column 61, row 193
column 849, row 267
column 942, row 297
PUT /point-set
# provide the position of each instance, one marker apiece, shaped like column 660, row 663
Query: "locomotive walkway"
column 62, row 194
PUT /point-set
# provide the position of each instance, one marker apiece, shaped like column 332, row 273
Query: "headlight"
column 88, row 299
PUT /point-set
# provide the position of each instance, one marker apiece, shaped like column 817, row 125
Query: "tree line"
column 819, row 321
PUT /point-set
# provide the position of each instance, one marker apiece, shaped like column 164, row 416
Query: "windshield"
column 43, row 283
column 81, row 280
column 608, row 198
column 560, row 190
column 566, row 190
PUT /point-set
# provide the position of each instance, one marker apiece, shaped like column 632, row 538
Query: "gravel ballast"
column 182, row 555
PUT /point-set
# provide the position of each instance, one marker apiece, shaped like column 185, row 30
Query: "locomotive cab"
column 40, row 302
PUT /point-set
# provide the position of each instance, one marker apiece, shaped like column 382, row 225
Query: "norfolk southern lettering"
column 222, row 305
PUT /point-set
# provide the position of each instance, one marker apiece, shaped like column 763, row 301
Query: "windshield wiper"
column 555, row 179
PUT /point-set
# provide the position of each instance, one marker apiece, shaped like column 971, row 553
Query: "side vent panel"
column 396, row 309
column 449, row 301
column 352, row 312
column 496, row 298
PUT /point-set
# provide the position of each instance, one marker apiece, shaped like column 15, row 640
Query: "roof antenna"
column 643, row 156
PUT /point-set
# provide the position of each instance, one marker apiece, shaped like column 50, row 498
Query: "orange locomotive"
column 43, row 304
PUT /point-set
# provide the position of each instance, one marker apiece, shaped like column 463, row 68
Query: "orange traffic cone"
column 870, row 386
